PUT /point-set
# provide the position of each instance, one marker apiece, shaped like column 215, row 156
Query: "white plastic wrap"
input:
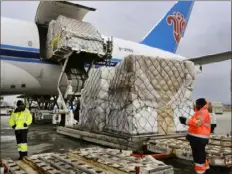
column 71, row 34
column 50, row 35
column 94, row 98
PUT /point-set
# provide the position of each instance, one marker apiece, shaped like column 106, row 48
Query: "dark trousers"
column 198, row 149
column 21, row 139
column 76, row 115
column 213, row 126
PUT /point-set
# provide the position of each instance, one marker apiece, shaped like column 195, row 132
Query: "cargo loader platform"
column 88, row 161
column 135, row 142
column 219, row 155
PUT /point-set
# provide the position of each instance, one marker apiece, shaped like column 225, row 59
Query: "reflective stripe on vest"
column 21, row 128
column 199, row 165
column 207, row 125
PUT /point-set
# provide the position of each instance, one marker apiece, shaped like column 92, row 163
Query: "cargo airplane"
column 24, row 71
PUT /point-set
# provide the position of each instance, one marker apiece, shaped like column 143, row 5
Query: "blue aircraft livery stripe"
column 113, row 62
column 11, row 47
column 20, row 59
column 24, row 54
column 16, row 53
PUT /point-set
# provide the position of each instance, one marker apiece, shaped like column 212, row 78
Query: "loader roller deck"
column 165, row 145
column 94, row 160
column 219, row 154
column 97, row 161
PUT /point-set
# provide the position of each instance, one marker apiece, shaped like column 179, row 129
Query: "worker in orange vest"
column 198, row 134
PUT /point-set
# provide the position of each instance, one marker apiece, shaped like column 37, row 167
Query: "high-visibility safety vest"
column 19, row 118
column 199, row 123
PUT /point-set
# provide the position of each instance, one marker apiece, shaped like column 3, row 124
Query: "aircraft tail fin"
column 167, row 34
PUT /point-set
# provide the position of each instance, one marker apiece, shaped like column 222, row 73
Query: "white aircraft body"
column 24, row 71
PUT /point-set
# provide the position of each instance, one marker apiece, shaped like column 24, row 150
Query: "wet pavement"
column 43, row 139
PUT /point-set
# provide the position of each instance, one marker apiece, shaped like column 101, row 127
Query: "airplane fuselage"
column 23, row 71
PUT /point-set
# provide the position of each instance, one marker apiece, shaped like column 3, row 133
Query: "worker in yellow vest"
column 19, row 120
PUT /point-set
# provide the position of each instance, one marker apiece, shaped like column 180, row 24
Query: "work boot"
column 23, row 154
column 207, row 171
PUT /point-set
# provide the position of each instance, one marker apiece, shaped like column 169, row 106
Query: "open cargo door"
column 50, row 10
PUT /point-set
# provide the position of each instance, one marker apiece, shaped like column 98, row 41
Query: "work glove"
column 25, row 125
column 182, row 120
column 14, row 126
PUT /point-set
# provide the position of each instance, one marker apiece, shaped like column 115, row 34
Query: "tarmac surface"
column 43, row 139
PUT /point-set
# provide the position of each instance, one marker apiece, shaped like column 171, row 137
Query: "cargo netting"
column 139, row 96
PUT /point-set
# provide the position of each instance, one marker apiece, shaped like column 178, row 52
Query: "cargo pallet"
column 126, row 142
column 219, row 155
column 140, row 144
column 88, row 161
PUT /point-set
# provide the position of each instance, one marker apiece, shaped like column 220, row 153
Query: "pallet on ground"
column 165, row 146
column 219, row 140
column 221, row 137
column 121, row 161
column 94, row 160
column 217, row 155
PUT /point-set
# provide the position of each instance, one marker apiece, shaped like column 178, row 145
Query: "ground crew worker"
column 212, row 117
column 77, row 110
column 198, row 134
column 19, row 120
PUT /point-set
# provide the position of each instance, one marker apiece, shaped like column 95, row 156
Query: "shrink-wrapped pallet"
column 70, row 34
column 50, row 35
column 94, row 99
column 144, row 95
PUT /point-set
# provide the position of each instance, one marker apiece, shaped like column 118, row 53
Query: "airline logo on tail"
column 166, row 35
column 179, row 23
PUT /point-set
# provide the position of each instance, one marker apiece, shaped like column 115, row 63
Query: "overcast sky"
column 208, row 32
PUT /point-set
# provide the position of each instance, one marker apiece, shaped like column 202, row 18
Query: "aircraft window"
column 23, row 85
column 12, row 86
